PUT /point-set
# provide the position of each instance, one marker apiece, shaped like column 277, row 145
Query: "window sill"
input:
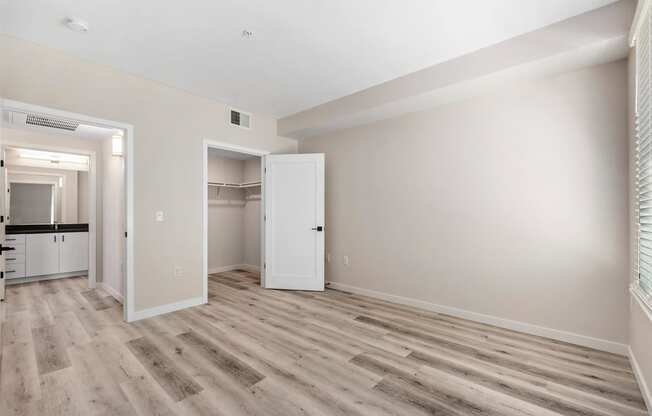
column 642, row 299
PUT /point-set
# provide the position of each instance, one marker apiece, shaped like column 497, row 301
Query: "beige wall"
column 113, row 224
column 83, row 192
column 233, row 228
column 170, row 126
column 512, row 205
column 252, row 211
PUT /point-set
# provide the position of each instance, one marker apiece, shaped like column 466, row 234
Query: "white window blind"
column 644, row 159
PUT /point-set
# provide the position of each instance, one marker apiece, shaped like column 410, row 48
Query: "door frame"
column 128, row 152
column 92, row 194
column 212, row 144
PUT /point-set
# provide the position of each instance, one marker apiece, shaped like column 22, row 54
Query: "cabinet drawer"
column 17, row 250
column 14, row 239
column 14, row 271
column 12, row 258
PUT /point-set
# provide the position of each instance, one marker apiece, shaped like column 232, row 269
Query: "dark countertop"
column 46, row 228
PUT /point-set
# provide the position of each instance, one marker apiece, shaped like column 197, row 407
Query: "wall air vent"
column 53, row 123
column 239, row 118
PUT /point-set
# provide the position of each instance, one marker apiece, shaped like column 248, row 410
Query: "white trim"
column 250, row 268
column 639, row 17
column 225, row 268
column 204, row 207
column 170, row 307
column 129, row 311
column 111, row 291
column 243, row 266
column 640, row 379
column 32, row 279
column 642, row 299
column 583, row 340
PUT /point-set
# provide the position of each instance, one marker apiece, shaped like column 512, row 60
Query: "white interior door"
column 294, row 222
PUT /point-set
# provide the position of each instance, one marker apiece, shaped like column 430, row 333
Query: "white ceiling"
column 303, row 53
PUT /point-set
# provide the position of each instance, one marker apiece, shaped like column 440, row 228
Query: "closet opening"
column 233, row 217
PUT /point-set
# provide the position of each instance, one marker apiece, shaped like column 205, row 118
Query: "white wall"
column 113, row 220
column 83, row 191
column 512, row 205
column 170, row 126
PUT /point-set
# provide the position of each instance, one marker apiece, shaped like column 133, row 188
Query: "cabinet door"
column 73, row 254
column 41, row 254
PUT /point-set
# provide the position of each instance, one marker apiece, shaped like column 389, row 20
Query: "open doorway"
column 285, row 193
column 74, row 226
column 233, row 220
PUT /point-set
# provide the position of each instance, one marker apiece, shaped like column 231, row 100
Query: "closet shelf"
column 234, row 185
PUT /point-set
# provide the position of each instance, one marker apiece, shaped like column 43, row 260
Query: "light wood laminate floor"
column 66, row 351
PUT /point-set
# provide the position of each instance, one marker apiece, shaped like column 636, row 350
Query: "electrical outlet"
column 347, row 261
column 178, row 272
column 328, row 257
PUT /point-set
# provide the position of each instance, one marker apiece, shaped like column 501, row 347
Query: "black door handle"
column 319, row 228
column 3, row 248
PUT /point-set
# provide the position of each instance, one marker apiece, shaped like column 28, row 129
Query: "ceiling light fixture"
column 247, row 34
column 76, row 25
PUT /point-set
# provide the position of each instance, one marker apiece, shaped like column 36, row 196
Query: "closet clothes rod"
column 235, row 185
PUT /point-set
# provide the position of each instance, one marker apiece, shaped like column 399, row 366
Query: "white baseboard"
column 583, row 340
column 247, row 267
column 111, row 291
column 170, row 307
column 251, row 268
column 641, row 380
column 225, row 268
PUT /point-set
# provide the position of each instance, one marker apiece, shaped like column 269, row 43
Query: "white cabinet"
column 51, row 253
column 41, row 254
column 73, row 252
column 15, row 258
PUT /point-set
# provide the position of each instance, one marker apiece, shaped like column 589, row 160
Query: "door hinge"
column 125, row 234
column 264, row 217
column 2, row 275
column 2, row 163
column 2, row 218
column 265, row 266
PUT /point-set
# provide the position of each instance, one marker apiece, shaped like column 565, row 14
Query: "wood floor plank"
column 173, row 379
column 65, row 350
column 50, row 349
column 240, row 371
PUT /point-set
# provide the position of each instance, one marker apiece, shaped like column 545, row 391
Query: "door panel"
column 41, row 254
column 294, row 233
column 73, row 252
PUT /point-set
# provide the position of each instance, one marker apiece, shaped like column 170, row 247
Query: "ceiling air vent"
column 239, row 118
column 53, row 123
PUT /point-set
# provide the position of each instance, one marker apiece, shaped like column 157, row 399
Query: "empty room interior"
column 326, row 208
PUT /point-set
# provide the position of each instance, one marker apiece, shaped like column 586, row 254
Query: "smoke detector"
column 76, row 25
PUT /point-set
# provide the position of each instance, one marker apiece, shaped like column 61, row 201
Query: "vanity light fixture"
column 116, row 144
column 52, row 157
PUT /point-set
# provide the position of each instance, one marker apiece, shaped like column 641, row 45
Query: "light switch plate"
column 159, row 216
